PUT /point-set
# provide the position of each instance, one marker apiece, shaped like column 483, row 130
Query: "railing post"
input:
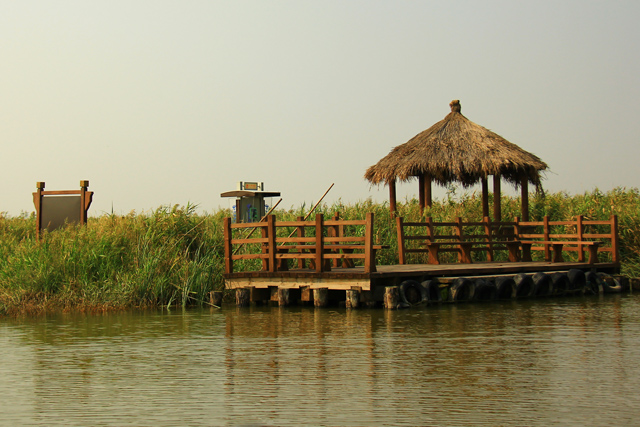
column 400, row 231
column 546, row 232
column 300, row 233
column 334, row 231
column 487, row 229
column 580, row 234
column 430, row 231
column 228, row 254
column 319, row 244
column 369, row 257
column 271, row 243
column 615, row 255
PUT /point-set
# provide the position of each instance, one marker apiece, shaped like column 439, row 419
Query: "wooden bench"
column 558, row 246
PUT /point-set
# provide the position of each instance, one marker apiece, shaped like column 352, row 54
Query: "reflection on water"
column 558, row 361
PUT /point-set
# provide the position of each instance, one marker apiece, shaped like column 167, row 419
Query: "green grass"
column 174, row 256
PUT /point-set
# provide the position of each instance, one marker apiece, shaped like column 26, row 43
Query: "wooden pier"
column 321, row 261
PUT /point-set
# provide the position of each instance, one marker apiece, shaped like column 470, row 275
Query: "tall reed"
column 175, row 256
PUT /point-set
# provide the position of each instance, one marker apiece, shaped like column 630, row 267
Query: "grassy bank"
column 174, row 256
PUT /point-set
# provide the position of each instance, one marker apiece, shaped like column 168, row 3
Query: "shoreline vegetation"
column 174, row 256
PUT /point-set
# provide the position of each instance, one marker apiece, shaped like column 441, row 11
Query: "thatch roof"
column 457, row 150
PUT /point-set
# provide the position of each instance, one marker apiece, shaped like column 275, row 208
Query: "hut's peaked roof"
column 457, row 150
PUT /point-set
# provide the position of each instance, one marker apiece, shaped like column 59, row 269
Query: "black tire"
column 484, row 290
column 577, row 280
column 412, row 293
column 433, row 290
column 560, row 283
column 506, row 288
column 543, row 284
column 525, row 288
column 461, row 290
column 610, row 285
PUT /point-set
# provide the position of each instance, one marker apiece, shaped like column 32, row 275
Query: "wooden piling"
column 352, row 298
column 391, row 297
column 283, row 297
column 306, row 296
column 243, row 296
column 320, row 297
column 215, row 298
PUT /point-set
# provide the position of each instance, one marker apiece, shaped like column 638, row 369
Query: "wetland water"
column 562, row 361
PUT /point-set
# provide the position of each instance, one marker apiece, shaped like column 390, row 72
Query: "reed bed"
column 174, row 256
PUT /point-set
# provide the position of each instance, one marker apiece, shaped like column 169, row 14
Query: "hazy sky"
column 172, row 102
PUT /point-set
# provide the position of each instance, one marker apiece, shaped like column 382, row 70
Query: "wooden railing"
column 518, row 238
column 322, row 243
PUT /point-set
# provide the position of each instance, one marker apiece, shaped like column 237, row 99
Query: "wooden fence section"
column 321, row 243
column 517, row 238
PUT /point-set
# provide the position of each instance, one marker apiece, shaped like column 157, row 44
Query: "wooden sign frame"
column 86, row 197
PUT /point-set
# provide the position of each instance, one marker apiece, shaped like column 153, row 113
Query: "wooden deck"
column 295, row 259
column 387, row 275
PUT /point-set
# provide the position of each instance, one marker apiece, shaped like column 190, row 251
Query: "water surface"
column 568, row 361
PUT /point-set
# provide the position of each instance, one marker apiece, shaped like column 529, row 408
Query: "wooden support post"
column 215, row 298
column 421, row 193
column 320, row 297
column 615, row 247
column 485, row 197
column 264, row 247
column 545, row 232
column 524, row 199
column 369, row 253
column 497, row 206
column 352, row 298
column 428, row 196
column 283, row 297
column 300, row 233
column 580, row 233
column 392, row 197
column 243, row 296
column 400, row 231
column 319, row 244
column 306, row 296
column 391, row 297
column 228, row 253
column 334, row 231
column 488, row 230
column 37, row 201
column 271, row 245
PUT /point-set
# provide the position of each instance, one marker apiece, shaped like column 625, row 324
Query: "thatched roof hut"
column 458, row 150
